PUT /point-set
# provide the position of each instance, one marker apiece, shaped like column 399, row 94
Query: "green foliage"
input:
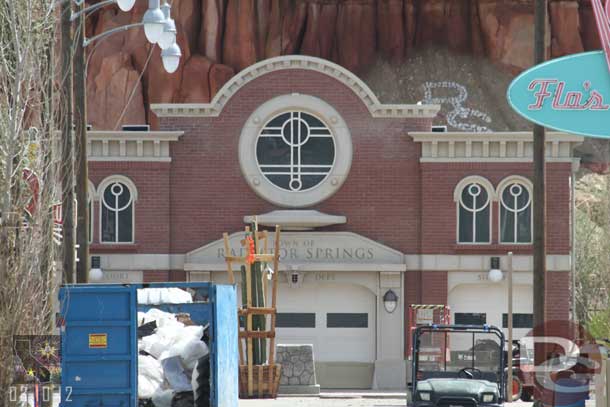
column 599, row 324
column 592, row 250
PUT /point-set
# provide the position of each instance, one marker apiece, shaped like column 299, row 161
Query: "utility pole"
column 509, row 317
column 539, row 193
column 82, row 177
column 67, row 153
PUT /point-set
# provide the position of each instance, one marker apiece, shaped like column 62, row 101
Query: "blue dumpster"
column 99, row 341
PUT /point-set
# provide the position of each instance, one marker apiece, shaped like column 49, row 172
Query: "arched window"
column 117, row 197
column 515, row 210
column 473, row 196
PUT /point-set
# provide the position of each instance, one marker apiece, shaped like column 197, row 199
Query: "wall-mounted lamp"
column 495, row 274
column 390, row 301
column 96, row 274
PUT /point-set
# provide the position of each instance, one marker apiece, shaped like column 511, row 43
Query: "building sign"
column 125, row 277
column 572, row 93
column 310, row 250
column 307, row 247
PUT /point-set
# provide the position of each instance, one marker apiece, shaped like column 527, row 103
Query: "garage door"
column 339, row 320
column 488, row 303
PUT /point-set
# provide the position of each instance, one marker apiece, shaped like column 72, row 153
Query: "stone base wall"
column 298, row 369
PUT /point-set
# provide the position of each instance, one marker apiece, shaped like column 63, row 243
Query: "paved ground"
column 338, row 399
column 335, row 402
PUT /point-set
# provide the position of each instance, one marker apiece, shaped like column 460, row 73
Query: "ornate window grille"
column 117, row 214
column 295, row 151
column 474, row 214
column 515, row 214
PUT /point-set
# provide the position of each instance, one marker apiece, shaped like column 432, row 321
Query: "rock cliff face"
column 221, row 37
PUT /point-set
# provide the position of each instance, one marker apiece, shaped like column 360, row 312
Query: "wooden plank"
column 276, row 386
column 227, row 258
column 276, row 265
column 265, row 258
column 239, row 345
column 256, row 311
column 260, row 381
column 237, row 259
column 257, row 334
column 249, row 323
column 271, row 380
column 259, row 235
column 266, row 250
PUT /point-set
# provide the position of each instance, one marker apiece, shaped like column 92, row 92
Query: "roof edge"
column 361, row 89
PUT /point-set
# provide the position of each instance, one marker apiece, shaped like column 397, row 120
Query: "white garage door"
column 339, row 320
column 491, row 302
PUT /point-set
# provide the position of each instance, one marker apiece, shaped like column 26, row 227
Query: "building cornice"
column 134, row 135
column 411, row 263
column 144, row 146
column 376, row 108
column 493, row 147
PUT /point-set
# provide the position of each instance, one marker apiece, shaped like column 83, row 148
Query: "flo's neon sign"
column 571, row 93
column 571, row 100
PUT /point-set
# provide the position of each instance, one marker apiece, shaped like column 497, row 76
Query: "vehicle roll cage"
column 474, row 329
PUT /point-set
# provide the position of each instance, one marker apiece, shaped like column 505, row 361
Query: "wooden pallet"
column 257, row 381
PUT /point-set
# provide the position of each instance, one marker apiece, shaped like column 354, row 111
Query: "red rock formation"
column 212, row 26
column 220, row 37
column 114, row 95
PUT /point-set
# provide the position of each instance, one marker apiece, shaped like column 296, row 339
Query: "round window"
column 295, row 151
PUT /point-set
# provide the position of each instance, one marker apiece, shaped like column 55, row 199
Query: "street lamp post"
column 159, row 28
column 82, row 175
column 539, row 201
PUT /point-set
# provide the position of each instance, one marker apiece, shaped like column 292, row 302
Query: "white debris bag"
column 192, row 351
column 165, row 295
column 163, row 398
column 155, row 345
column 184, row 342
column 150, row 376
column 154, row 314
column 175, row 375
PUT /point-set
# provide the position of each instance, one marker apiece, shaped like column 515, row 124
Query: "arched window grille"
column 474, row 214
column 295, row 151
column 117, row 213
column 515, row 214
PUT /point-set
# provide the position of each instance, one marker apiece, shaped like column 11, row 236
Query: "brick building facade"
column 370, row 199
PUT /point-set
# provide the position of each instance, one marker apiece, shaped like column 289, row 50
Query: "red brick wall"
column 210, row 196
column 155, row 276
column 152, row 211
column 427, row 287
column 558, row 297
column 152, row 276
column 434, row 287
column 439, row 210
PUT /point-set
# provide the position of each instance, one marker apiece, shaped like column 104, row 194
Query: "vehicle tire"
column 517, row 387
column 526, row 395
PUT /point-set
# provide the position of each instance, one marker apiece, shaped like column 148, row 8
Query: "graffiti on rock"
column 458, row 116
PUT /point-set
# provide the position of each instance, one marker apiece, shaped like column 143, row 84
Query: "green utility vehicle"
column 458, row 366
